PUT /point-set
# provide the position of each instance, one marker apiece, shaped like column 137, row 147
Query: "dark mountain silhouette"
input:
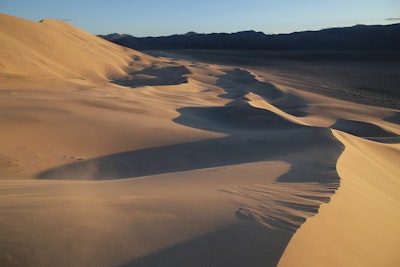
column 359, row 37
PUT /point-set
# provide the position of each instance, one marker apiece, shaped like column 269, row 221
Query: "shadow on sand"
column 254, row 135
column 367, row 131
column 155, row 76
column 242, row 244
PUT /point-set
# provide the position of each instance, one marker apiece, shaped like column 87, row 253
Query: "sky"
column 165, row 17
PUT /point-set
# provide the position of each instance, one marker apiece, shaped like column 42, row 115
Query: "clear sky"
column 165, row 17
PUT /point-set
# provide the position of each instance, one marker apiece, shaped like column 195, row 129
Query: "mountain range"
column 359, row 37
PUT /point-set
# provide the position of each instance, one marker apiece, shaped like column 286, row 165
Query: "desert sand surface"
column 112, row 157
column 364, row 77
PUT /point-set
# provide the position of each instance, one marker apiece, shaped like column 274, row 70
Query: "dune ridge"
column 111, row 157
column 55, row 48
column 365, row 210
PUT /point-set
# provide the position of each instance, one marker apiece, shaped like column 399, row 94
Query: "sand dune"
column 360, row 226
column 56, row 48
column 110, row 157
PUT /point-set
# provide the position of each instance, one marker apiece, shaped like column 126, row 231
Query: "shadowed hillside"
column 359, row 37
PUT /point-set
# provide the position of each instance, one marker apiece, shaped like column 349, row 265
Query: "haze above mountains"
column 359, row 37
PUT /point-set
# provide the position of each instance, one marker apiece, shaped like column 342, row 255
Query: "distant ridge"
column 359, row 37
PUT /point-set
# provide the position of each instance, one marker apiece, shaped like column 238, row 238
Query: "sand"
column 111, row 157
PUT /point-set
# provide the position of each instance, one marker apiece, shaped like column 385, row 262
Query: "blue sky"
column 165, row 17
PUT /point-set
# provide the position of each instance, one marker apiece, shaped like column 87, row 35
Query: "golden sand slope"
column 109, row 157
column 55, row 48
column 359, row 227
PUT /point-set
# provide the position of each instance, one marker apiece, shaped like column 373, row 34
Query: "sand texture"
column 112, row 157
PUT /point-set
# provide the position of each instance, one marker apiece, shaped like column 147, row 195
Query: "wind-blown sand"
column 111, row 157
